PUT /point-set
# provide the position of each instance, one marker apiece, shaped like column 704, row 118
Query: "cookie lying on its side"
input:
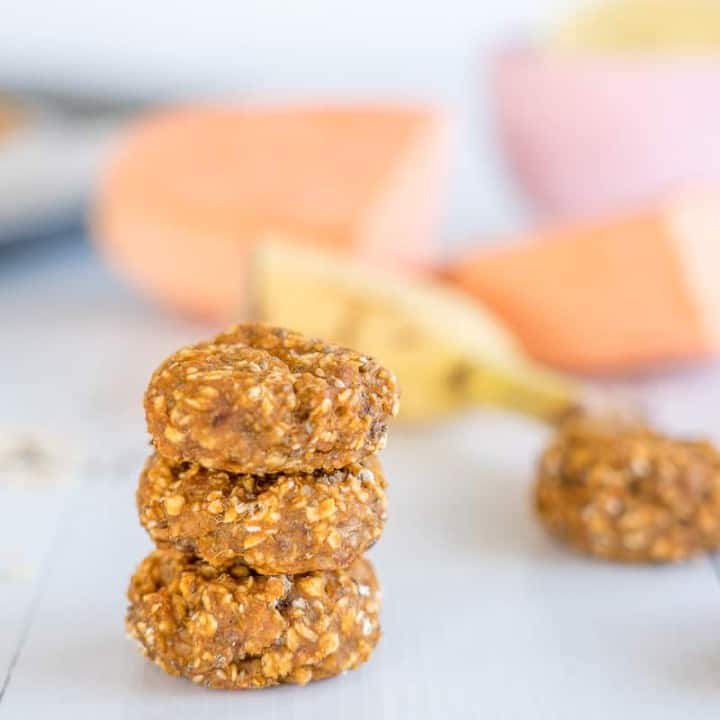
column 624, row 492
column 273, row 523
column 261, row 400
column 237, row 630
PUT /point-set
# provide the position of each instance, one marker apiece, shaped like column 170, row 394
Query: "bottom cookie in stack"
column 235, row 629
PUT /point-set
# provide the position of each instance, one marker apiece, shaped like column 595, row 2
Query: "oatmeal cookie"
column 236, row 630
column 624, row 492
column 259, row 399
column 273, row 523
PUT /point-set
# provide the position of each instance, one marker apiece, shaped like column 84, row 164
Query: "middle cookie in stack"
column 265, row 444
column 272, row 523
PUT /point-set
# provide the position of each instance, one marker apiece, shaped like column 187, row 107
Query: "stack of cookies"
column 261, row 496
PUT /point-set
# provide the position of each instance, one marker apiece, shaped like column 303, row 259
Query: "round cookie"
column 237, row 630
column 259, row 399
column 273, row 523
column 624, row 492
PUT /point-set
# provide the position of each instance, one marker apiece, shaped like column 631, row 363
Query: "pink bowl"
column 588, row 134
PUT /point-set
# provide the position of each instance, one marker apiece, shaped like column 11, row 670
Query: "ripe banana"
column 447, row 351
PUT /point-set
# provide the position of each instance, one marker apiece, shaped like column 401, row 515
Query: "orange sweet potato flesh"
column 189, row 191
column 601, row 298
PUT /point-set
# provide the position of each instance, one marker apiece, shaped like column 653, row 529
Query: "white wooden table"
column 483, row 615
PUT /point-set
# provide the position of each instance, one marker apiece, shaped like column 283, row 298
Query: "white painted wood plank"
column 484, row 616
column 30, row 520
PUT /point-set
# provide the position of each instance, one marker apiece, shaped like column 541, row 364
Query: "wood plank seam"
column 41, row 584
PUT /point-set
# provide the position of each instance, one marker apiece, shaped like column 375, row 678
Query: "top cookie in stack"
column 262, row 400
column 265, row 445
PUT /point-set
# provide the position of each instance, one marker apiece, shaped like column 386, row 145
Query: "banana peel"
column 448, row 352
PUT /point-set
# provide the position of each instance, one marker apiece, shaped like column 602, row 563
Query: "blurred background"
column 553, row 113
column 505, row 203
column 134, row 52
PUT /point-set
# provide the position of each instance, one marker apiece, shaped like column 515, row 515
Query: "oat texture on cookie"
column 262, row 494
column 261, row 399
column 280, row 523
column 234, row 629
column 624, row 492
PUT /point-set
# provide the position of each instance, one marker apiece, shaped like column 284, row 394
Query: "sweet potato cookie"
column 273, row 523
column 237, row 630
column 630, row 494
column 259, row 399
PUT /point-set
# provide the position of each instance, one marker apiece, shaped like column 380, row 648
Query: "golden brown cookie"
column 624, row 492
column 273, row 523
column 238, row 630
column 259, row 399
